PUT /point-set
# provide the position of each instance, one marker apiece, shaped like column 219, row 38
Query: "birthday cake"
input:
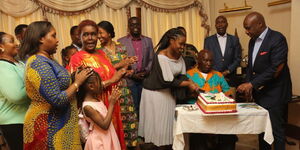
column 216, row 103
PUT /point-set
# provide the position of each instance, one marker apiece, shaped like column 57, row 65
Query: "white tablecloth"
column 250, row 119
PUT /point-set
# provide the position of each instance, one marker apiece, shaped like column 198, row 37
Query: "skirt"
column 157, row 110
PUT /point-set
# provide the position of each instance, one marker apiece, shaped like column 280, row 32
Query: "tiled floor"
column 250, row 142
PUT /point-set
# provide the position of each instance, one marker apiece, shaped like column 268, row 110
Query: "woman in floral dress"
column 118, row 56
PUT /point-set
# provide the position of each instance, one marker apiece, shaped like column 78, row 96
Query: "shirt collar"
column 218, row 35
column 135, row 39
column 263, row 34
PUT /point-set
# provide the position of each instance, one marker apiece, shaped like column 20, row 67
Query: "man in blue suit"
column 142, row 47
column 268, row 76
column 226, row 49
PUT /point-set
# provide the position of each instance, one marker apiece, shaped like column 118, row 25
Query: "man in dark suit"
column 268, row 75
column 142, row 47
column 226, row 49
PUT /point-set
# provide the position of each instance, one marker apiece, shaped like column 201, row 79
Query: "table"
column 250, row 119
column 293, row 126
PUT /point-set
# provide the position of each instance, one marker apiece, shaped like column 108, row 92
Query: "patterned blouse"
column 214, row 82
column 51, row 121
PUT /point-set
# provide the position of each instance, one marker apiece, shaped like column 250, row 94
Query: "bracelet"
column 103, row 84
column 77, row 87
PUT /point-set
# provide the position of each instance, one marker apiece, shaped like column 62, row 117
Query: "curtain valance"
column 18, row 8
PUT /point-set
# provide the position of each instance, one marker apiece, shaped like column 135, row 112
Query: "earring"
column 2, row 50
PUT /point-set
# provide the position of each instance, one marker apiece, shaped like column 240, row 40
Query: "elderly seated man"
column 211, row 81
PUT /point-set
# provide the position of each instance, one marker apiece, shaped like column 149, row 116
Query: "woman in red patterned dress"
column 89, row 56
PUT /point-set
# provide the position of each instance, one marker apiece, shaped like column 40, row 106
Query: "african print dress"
column 51, row 121
column 128, row 113
column 102, row 65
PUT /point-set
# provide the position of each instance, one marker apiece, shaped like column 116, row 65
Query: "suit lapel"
column 131, row 51
column 262, row 47
column 251, row 46
column 144, row 45
column 227, row 45
column 218, row 47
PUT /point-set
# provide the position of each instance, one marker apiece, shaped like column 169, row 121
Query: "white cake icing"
column 218, row 97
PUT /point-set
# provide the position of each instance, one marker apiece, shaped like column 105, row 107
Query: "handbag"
column 83, row 127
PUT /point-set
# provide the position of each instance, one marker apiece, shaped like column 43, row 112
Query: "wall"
column 283, row 18
column 277, row 17
column 295, row 46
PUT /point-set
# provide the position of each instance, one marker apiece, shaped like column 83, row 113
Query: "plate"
column 190, row 107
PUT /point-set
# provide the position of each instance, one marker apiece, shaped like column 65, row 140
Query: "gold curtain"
column 17, row 8
column 168, row 4
column 155, row 24
column 62, row 24
column 8, row 22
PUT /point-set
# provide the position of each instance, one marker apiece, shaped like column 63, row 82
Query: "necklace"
column 111, row 49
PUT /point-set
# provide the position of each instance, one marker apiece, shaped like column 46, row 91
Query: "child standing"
column 66, row 55
column 102, row 135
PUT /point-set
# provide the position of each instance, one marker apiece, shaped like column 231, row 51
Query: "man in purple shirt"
column 142, row 47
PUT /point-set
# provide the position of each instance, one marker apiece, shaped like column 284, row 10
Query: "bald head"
column 204, row 52
column 254, row 24
column 205, row 61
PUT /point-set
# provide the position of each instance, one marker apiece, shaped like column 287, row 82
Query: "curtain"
column 18, row 8
column 62, row 24
column 155, row 19
column 169, row 4
column 117, row 4
column 67, row 5
column 70, row 7
column 8, row 22
column 155, row 24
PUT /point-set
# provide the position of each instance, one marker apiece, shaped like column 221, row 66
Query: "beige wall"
column 283, row 18
column 295, row 46
column 277, row 17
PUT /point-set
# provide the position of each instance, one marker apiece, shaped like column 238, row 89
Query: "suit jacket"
column 271, row 81
column 148, row 53
column 232, row 56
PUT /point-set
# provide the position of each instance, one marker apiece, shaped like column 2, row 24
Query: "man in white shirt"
column 226, row 49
